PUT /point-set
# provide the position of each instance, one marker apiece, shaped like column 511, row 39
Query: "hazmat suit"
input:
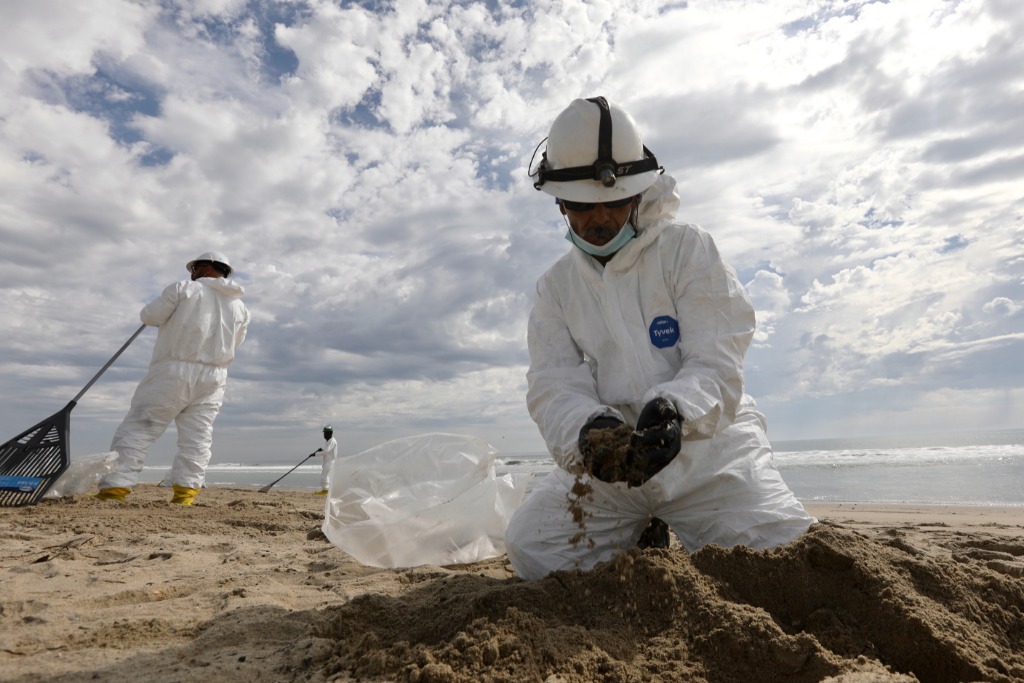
column 329, row 451
column 664, row 318
column 201, row 324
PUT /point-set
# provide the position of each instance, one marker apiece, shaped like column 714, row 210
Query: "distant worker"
column 202, row 321
column 636, row 342
column 330, row 452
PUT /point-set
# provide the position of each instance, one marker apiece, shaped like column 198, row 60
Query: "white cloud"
column 1002, row 305
column 32, row 29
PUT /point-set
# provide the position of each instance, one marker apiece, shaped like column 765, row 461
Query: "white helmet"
column 214, row 256
column 594, row 154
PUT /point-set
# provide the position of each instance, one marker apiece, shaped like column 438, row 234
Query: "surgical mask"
column 626, row 233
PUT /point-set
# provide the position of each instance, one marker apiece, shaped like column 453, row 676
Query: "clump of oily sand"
column 830, row 606
column 618, row 459
column 611, row 448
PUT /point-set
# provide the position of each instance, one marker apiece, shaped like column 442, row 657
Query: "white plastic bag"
column 428, row 499
column 82, row 475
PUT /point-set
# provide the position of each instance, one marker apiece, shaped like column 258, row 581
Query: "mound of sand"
column 244, row 587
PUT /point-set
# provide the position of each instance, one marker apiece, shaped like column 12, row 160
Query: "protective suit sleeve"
column 243, row 327
column 716, row 324
column 562, row 393
column 159, row 310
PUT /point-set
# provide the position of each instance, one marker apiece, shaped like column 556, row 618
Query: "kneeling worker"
column 636, row 341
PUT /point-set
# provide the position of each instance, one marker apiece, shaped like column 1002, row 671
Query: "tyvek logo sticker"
column 19, row 484
column 664, row 331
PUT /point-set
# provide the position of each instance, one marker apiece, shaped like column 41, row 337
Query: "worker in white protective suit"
column 202, row 321
column 329, row 451
column 636, row 341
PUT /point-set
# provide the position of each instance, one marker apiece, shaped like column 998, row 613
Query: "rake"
column 266, row 488
column 31, row 462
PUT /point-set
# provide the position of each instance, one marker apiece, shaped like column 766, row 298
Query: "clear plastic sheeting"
column 82, row 475
column 427, row 499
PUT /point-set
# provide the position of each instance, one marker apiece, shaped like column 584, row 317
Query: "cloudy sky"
column 363, row 165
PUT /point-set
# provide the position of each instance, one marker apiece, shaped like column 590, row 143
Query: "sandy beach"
column 245, row 587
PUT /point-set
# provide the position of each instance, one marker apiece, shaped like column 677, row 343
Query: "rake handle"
column 271, row 484
column 109, row 363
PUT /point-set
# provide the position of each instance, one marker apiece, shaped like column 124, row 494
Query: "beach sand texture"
column 244, row 587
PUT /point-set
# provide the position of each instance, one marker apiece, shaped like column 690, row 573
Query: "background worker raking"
column 329, row 451
column 202, row 321
column 636, row 341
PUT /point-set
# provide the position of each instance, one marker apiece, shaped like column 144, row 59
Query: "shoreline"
column 244, row 588
column 1012, row 510
column 968, row 515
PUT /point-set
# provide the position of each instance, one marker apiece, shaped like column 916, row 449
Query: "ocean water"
column 963, row 468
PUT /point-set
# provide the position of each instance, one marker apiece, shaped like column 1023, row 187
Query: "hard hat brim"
column 594, row 191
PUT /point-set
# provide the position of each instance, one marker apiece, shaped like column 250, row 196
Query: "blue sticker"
column 664, row 331
column 16, row 484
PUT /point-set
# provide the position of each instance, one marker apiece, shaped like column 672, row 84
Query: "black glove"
column 604, row 445
column 656, row 441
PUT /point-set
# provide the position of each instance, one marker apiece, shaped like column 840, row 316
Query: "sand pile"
column 834, row 602
column 244, row 587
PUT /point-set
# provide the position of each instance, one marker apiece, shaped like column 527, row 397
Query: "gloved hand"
column 655, row 442
column 604, row 444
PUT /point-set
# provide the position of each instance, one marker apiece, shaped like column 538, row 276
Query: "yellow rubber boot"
column 321, row 492
column 115, row 493
column 184, row 495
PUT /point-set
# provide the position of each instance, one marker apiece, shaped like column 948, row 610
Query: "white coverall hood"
column 196, row 327
column 659, row 202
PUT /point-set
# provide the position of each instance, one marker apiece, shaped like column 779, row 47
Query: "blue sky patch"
column 954, row 243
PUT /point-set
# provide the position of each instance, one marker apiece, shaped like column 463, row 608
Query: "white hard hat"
column 595, row 154
column 215, row 257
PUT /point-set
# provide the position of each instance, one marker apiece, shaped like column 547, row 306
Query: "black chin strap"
column 605, row 169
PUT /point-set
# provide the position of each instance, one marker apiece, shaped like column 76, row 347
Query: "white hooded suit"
column 329, row 451
column 666, row 317
column 201, row 324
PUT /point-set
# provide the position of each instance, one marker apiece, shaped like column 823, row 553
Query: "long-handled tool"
column 31, row 462
column 271, row 484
